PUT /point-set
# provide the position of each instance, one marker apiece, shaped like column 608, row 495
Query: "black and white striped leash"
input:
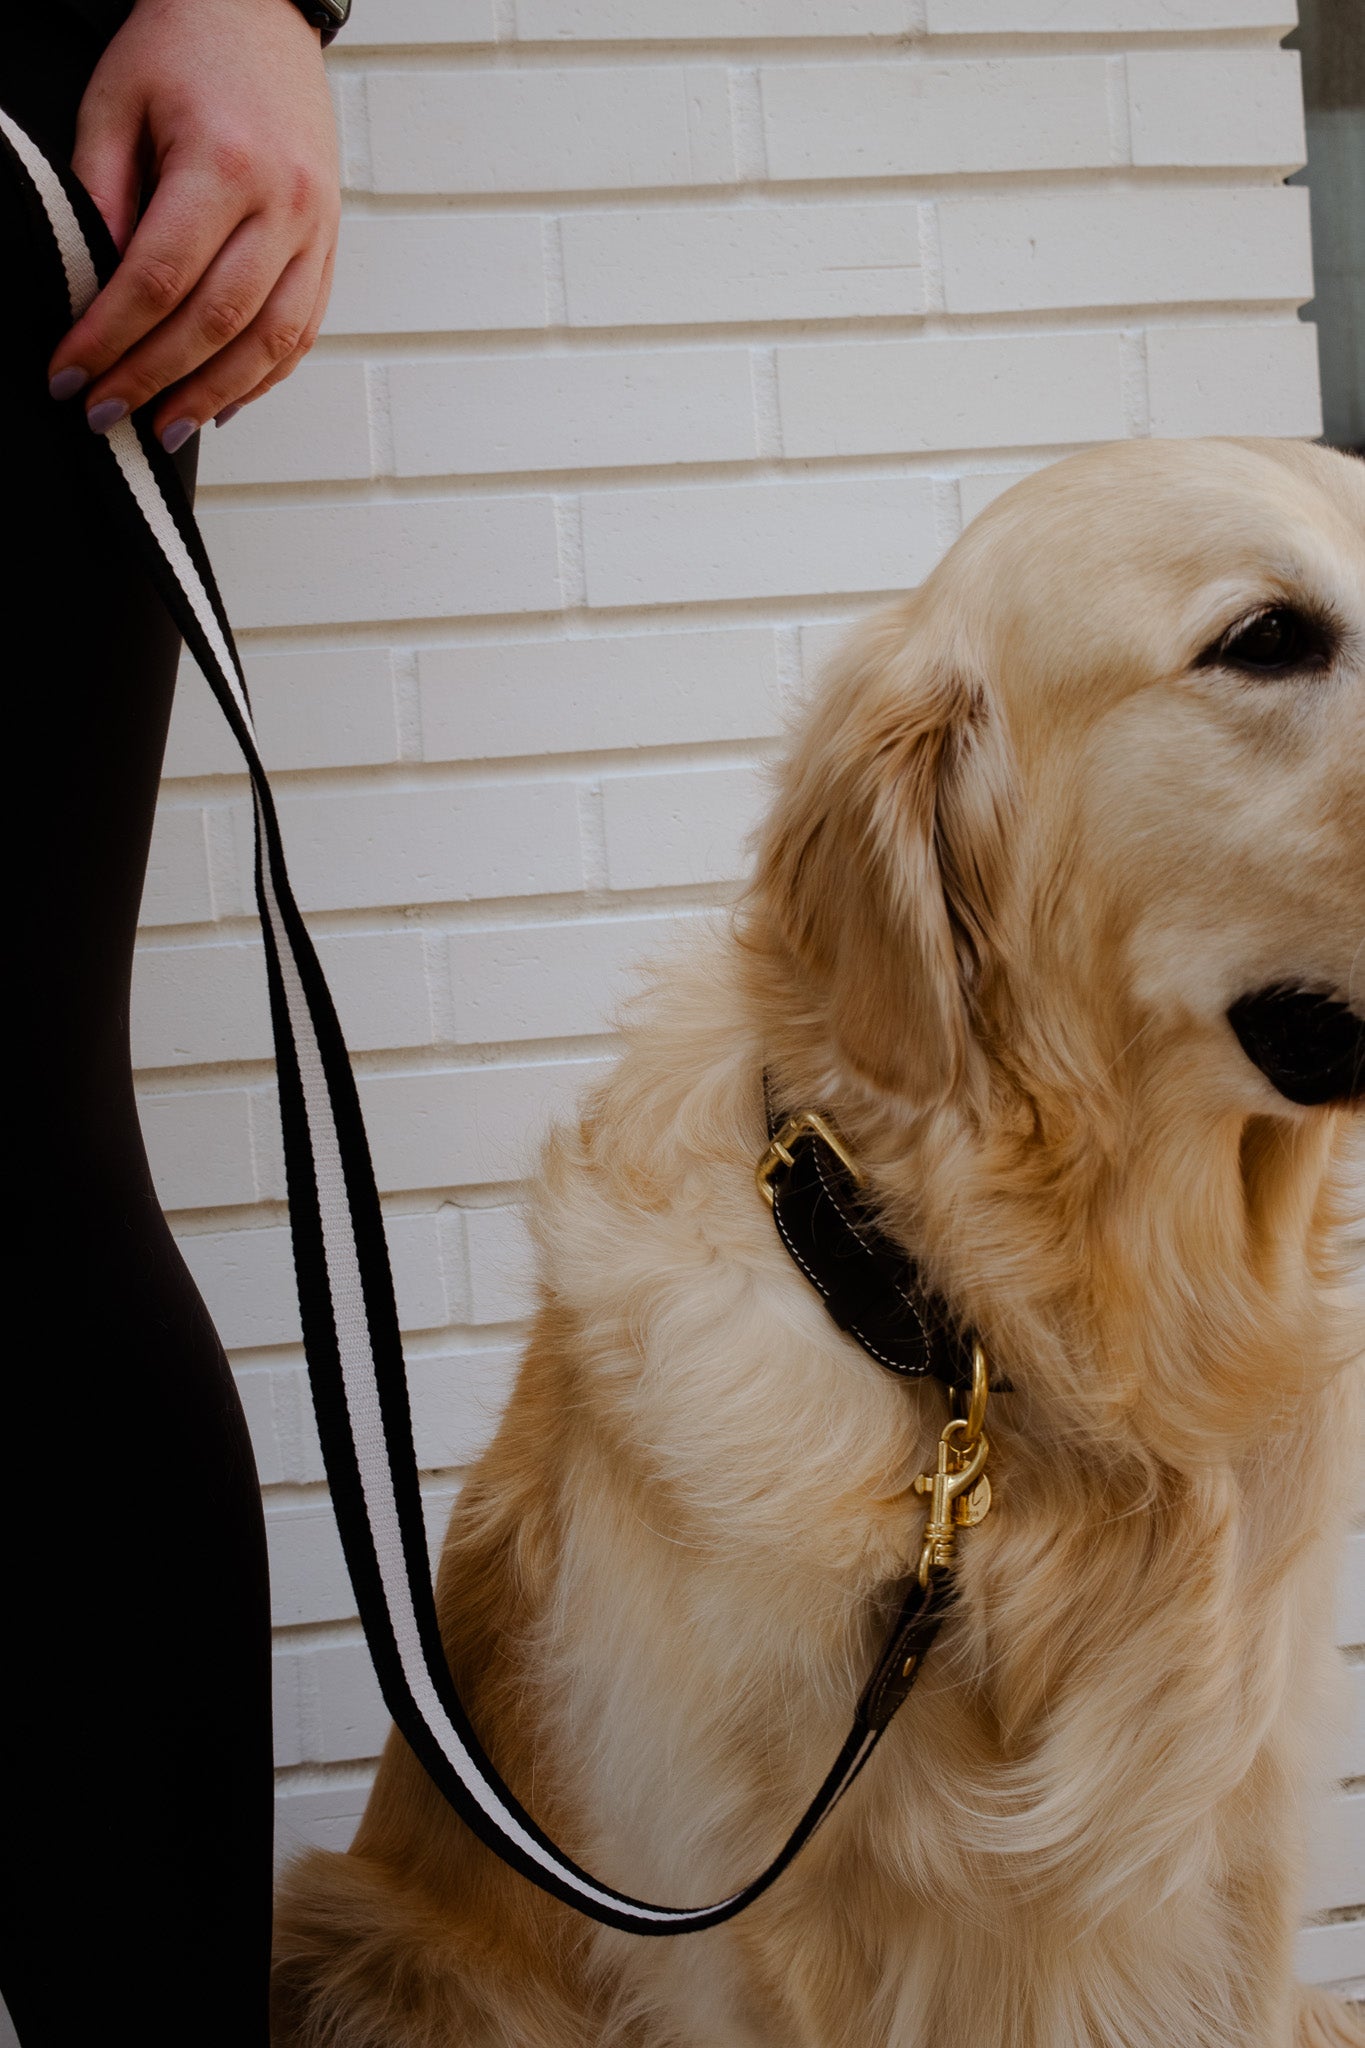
column 350, row 1323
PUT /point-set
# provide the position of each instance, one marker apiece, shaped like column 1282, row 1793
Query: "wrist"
column 326, row 16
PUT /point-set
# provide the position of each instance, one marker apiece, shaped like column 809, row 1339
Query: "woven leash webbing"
column 350, row 1323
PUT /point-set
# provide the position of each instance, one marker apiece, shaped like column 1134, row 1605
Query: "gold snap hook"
column 975, row 1417
column 959, row 1491
column 957, row 1472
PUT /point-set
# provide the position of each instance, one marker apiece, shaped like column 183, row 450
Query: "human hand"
column 223, row 113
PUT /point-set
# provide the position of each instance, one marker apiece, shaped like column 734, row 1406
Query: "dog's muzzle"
column 1308, row 1044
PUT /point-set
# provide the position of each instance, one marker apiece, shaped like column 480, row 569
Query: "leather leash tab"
column 898, row 1667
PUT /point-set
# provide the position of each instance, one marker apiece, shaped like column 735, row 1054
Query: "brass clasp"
column 778, row 1154
column 980, row 1393
column 954, row 1476
column 959, row 1491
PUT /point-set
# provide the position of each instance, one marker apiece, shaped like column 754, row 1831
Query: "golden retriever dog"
column 1094, row 785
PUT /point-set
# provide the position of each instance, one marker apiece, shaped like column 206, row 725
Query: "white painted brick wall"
column 907, row 118
column 663, row 338
column 1014, row 391
column 430, row 842
column 784, row 261
column 1076, row 17
column 424, row 21
column 617, row 409
column 788, row 537
column 660, row 20
column 197, row 1005
column 550, row 131
column 667, row 830
column 597, row 693
column 1215, row 107
column 318, row 707
column 323, row 435
column 1201, row 379
column 437, row 1129
column 552, row 980
column 351, row 563
column 1059, row 249
column 438, row 273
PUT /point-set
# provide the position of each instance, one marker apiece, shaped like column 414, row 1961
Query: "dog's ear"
column 878, row 868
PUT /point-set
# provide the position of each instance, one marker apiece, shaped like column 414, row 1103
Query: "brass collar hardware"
column 873, row 1291
column 975, row 1417
column 806, row 1122
column 871, row 1285
column 959, row 1491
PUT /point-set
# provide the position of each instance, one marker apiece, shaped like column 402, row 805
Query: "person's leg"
column 135, row 1804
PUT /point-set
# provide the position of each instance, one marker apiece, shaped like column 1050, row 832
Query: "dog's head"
column 1095, row 794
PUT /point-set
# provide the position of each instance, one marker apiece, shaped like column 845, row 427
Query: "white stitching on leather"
column 906, row 1372
column 908, row 1299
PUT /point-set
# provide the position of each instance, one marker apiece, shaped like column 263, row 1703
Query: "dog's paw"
column 1325, row 2021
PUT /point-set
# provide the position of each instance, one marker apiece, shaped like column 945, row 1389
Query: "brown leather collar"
column 870, row 1285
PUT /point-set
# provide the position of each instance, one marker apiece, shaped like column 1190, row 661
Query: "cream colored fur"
column 1021, row 858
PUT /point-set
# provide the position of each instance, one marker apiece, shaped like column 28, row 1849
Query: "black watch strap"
column 328, row 15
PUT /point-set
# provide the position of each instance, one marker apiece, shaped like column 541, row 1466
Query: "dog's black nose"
column 1308, row 1043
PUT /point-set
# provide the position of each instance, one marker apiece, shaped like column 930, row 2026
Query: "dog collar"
column 870, row 1285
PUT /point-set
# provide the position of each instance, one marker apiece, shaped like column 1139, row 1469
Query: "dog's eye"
column 1276, row 641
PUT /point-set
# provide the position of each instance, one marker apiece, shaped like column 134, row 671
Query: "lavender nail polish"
column 177, row 434
column 106, row 414
column 67, row 382
column 229, row 412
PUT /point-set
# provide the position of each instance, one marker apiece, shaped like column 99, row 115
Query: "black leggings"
column 135, row 1772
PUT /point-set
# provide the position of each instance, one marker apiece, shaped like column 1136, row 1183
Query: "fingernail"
column 177, row 434
column 229, row 412
column 67, row 382
column 106, row 414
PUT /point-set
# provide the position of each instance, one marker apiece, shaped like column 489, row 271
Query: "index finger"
column 192, row 213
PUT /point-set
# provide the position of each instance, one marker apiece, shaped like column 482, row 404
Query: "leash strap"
column 350, row 1323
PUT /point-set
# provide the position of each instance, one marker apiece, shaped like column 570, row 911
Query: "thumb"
column 107, row 160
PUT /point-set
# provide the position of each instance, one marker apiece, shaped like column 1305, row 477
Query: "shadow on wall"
column 1331, row 40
